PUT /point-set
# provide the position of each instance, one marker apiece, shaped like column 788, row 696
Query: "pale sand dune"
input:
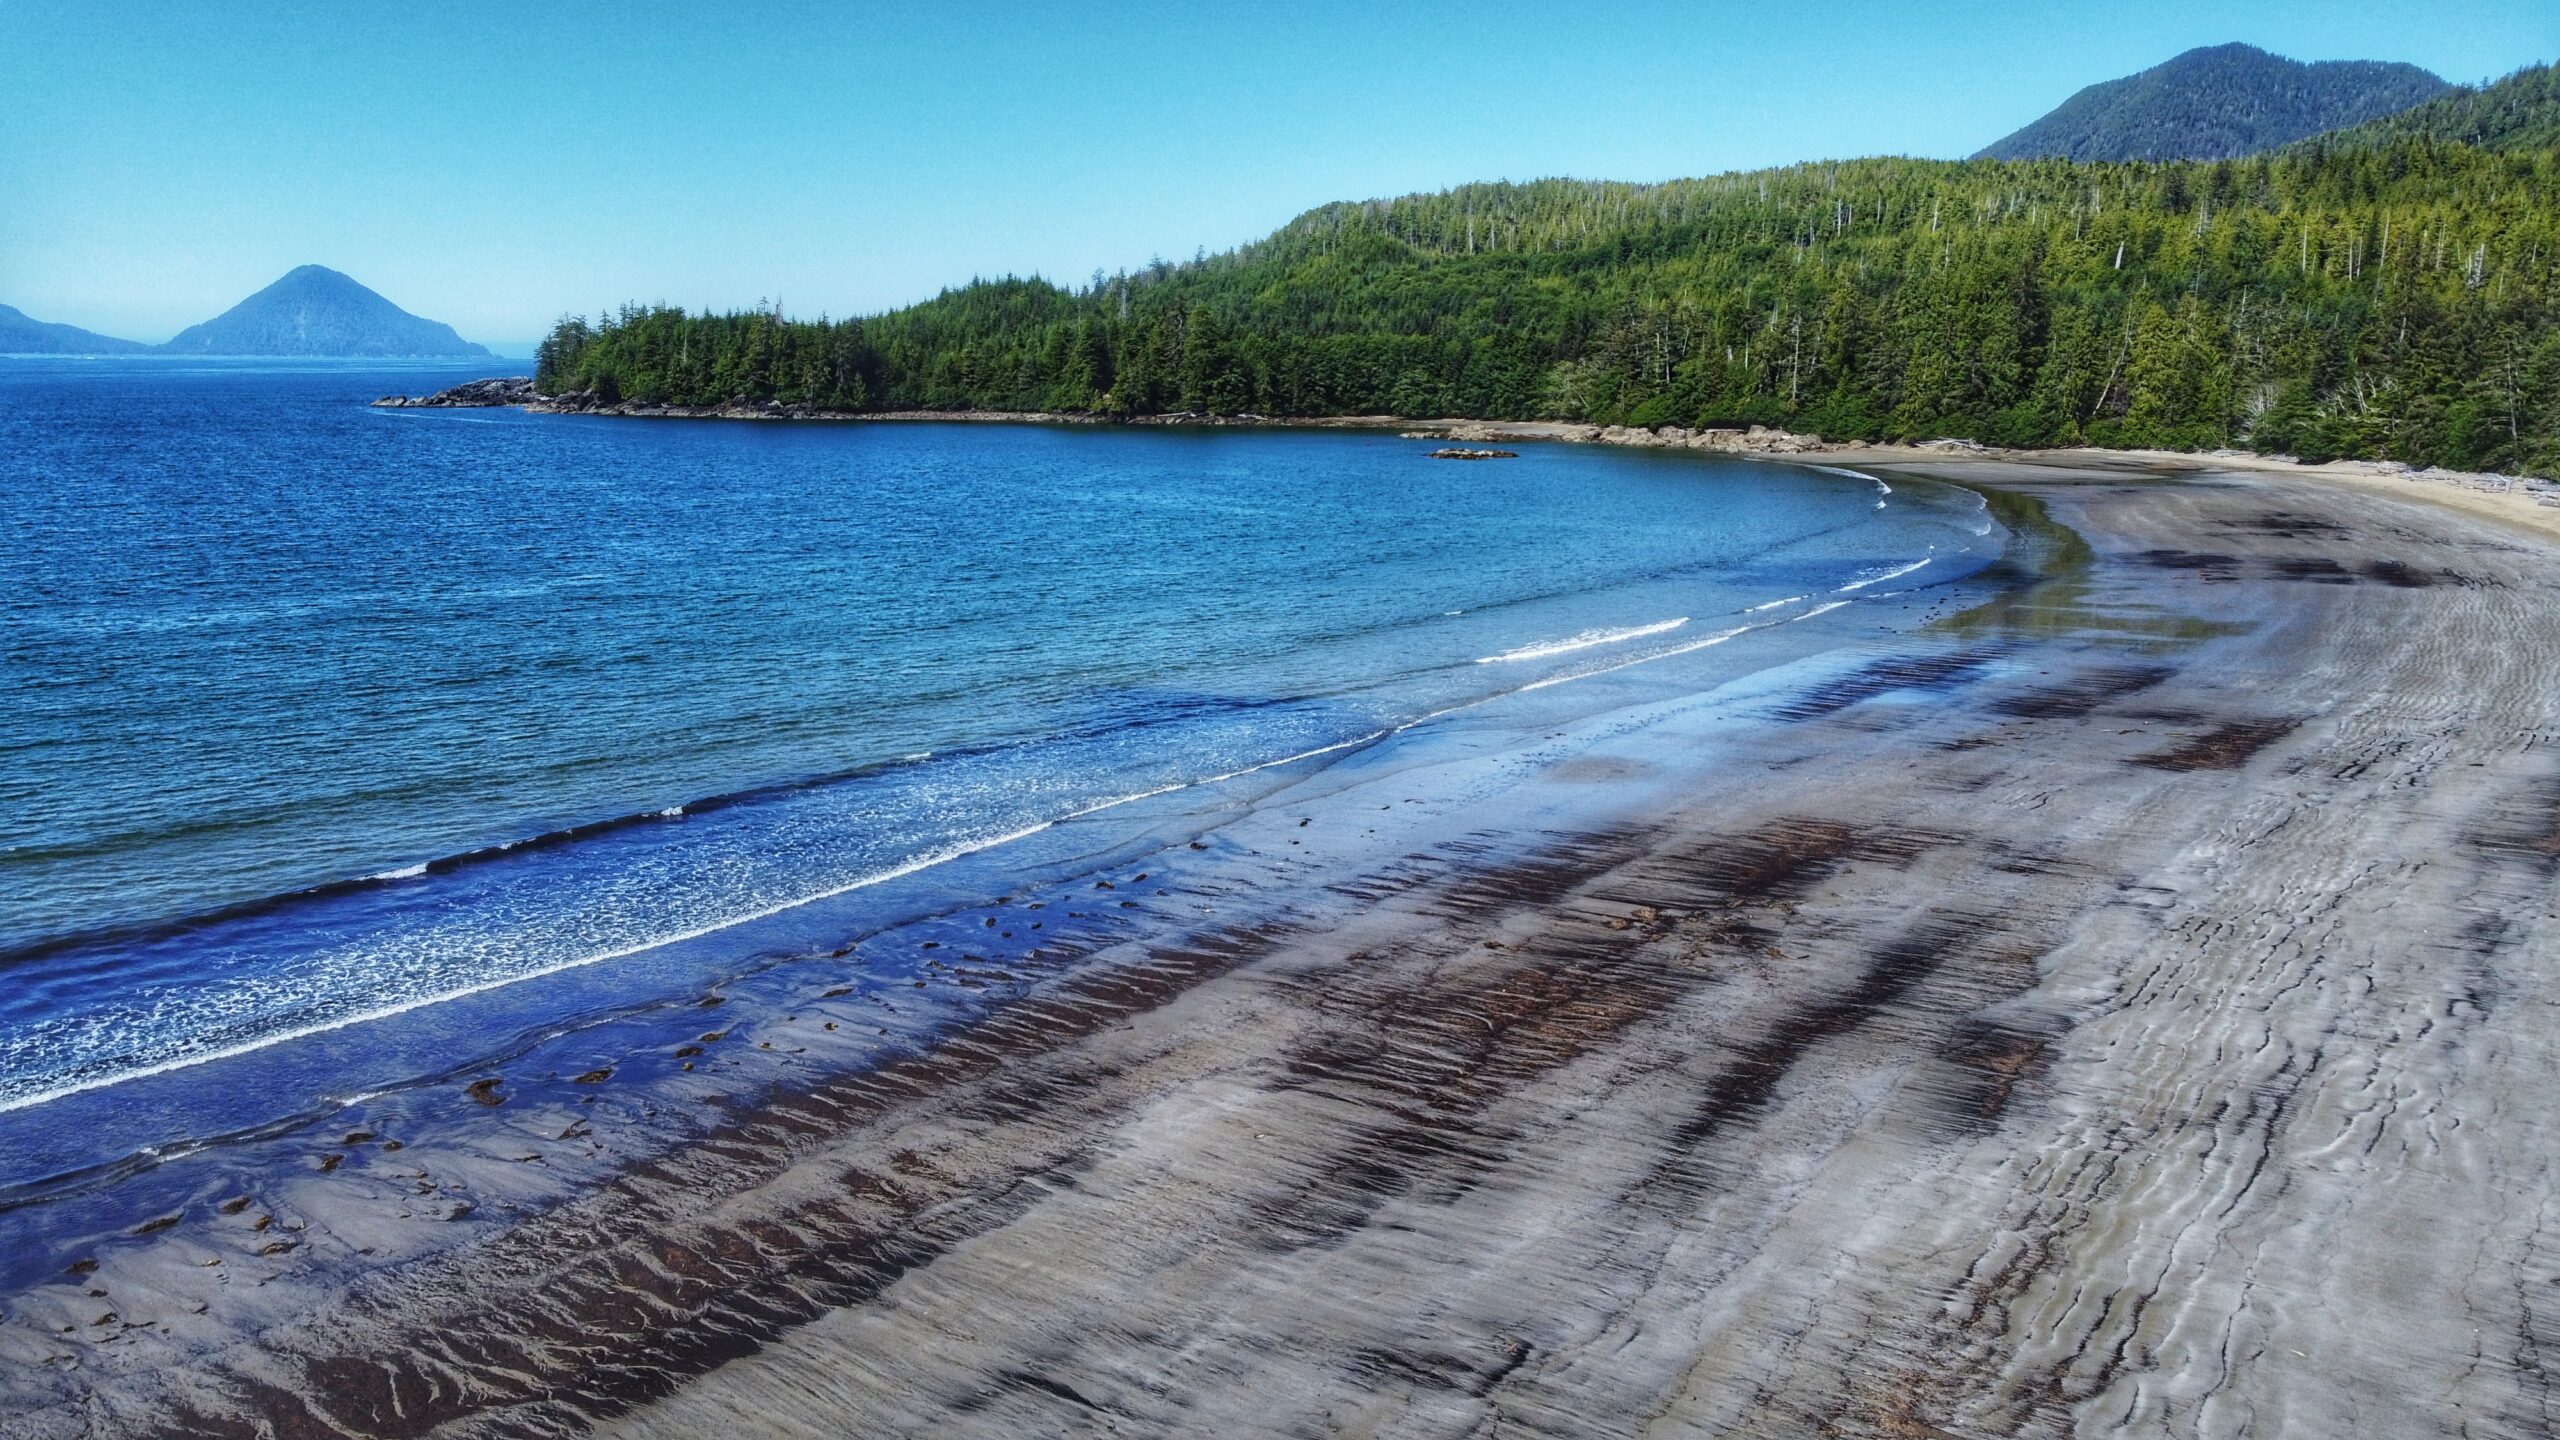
column 2130, row 1012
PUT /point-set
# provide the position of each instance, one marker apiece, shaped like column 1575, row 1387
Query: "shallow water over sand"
column 348, row 747
column 2105, row 997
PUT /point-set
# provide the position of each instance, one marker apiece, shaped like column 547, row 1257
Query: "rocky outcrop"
column 1757, row 440
column 1457, row 454
column 589, row 402
column 476, row 394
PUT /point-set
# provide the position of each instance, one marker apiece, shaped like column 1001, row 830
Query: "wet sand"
column 2125, row 1007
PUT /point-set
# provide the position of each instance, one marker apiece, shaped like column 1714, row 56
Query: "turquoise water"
column 317, row 714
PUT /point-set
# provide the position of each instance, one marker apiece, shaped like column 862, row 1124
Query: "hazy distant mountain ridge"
column 2521, row 112
column 316, row 311
column 20, row 334
column 2218, row 103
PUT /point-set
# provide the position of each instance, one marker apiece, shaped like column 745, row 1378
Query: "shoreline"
column 491, row 1147
column 2164, row 927
column 1757, row 636
column 136, row 1097
column 2530, row 501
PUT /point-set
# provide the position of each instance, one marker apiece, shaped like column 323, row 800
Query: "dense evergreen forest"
column 2395, row 297
column 2218, row 103
column 2521, row 112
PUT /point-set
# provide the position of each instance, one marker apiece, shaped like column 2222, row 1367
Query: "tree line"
column 2389, row 299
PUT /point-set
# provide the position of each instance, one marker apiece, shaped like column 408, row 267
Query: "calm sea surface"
column 311, row 712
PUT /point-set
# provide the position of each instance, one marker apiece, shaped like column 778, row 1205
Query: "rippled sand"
column 2126, row 1009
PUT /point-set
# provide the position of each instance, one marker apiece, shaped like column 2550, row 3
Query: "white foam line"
column 1584, row 641
column 1351, row 744
column 405, row 872
column 895, row 872
column 385, row 1012
column 1888, row 575
column 1718, row 638
column 1774, row 604
column 1882, row 489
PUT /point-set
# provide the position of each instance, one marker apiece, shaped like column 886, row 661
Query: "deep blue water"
column 311, row 712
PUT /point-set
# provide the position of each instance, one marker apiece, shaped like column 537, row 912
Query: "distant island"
column 22, row 335
column 312, row 312
column 2217, row 103
column 2377, row 292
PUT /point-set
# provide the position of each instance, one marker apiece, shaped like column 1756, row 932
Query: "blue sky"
column 497, row 165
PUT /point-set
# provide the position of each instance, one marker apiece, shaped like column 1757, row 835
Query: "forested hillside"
column 2521, row 112
column 2218, row 103
column 2390, row 300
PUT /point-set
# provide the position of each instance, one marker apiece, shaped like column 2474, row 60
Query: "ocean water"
column 313, row 715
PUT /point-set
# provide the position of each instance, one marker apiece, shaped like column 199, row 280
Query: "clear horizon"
column 496, row 170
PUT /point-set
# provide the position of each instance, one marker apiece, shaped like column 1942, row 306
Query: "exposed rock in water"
column 1454, row 453
column 474, row 394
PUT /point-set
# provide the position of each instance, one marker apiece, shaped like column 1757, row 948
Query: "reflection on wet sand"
column 2114, row 1008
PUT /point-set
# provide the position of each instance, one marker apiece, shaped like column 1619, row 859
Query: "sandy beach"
column 2118, row 1007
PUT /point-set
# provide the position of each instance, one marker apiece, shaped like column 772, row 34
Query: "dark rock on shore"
column 475, row 394
column 588, row 402
column 1758, row 440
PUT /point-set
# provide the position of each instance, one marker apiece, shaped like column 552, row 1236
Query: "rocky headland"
column 475, row 394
